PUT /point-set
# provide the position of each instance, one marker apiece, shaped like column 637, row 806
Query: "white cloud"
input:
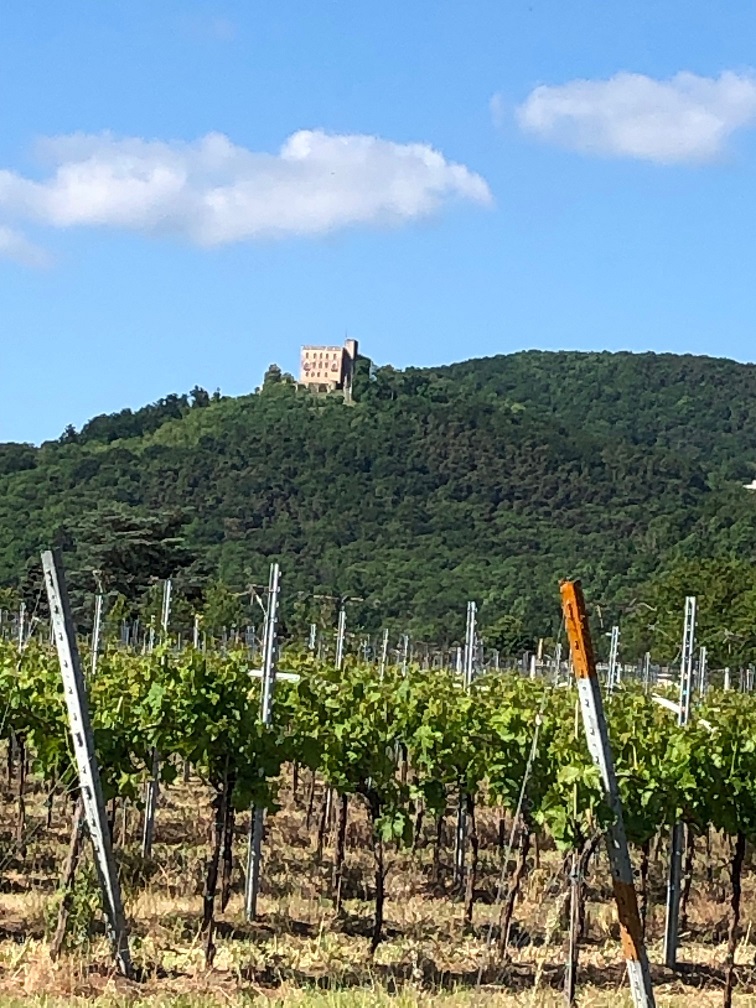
column 15, row 246
column 212, row 191
column 685, row 119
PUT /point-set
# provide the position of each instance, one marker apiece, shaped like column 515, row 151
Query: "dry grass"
column 368, row 998
column 299, row 953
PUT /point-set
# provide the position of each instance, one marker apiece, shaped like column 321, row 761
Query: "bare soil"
column 300, row 952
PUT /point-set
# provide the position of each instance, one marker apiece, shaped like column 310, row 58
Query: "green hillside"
column 702, row 406
column 488, row 479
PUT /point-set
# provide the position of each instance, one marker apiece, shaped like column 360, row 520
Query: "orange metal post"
column 594, row 722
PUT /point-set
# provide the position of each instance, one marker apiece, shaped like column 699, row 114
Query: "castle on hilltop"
column 328, row 368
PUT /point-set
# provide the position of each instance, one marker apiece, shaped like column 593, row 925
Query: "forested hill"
column 702, row 406
column 489, row 480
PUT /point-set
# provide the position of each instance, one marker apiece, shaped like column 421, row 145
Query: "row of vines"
column 407, row 745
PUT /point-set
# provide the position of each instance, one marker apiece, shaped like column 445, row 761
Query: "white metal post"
column 86, row 758
column 165, row 609
column 469, row 653
column 340, row 635
column 384, row 653
column 21, row 624
column 674, row 879
column 467, row 678
column 150, row 806
column 703, row 669
column 611, row 676
column 597, row 737
column 647, row 670
column 96, row 626
column 153, row 785
column 267, row 688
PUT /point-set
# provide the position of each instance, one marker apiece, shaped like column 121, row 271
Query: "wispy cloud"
column 212, row 192
column 213, row 27
column 498, row 109
column 223, row 28
column 18, row 248
column 684, row 119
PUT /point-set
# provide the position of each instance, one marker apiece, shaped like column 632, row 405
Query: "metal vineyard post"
column 86, row 759
column 340, row 635
column 469, row 652
column 597, row 737
column 153, row 785
column 612, row 678
column 96, row 632
column 384, row 653
column 678, row 830
column 267, row 687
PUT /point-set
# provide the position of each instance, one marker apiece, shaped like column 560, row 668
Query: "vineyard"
column 387, row 785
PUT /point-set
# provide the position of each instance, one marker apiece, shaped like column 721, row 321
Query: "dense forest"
column 490, row 479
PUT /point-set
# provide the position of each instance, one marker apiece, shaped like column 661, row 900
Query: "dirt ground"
column 299, row 952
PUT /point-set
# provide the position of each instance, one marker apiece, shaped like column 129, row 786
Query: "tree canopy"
column 486, row 480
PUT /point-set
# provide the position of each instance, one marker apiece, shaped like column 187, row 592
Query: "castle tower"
column 328, row 368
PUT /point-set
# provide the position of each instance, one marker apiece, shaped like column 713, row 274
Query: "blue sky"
column 189, row 191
